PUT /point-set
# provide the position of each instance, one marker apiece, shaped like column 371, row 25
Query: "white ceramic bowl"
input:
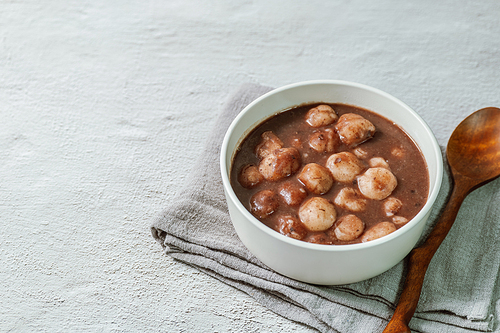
column 329, row 264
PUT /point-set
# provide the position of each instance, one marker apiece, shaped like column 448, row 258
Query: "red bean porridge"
column 330, row 174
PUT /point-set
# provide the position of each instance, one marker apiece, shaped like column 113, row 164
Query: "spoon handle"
column 420, row 258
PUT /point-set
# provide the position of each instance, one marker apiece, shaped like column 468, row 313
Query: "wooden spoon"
column 473, row 154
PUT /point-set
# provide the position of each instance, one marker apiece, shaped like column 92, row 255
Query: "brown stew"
column 330, row 174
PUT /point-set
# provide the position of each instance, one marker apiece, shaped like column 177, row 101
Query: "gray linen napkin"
column 459, row 293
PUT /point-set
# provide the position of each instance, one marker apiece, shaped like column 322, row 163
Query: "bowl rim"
column 325, row 247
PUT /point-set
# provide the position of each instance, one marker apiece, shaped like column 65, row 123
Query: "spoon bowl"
column 473, row 153
column 474, row 147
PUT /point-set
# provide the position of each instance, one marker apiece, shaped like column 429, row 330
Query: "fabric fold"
column 459, row 292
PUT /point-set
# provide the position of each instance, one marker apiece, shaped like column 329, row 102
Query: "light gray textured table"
column 105, row 105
